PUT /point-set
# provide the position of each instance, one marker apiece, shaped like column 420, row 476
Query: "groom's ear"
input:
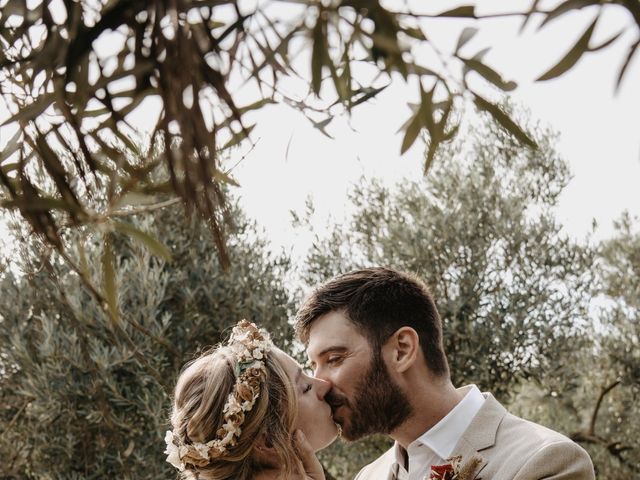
column 404, row 349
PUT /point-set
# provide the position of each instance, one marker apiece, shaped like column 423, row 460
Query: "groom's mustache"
column 336, row 400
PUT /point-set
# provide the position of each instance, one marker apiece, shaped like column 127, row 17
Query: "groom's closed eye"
column 329, row 357
column 334, row 359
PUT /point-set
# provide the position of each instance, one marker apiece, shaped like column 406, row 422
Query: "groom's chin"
column 348, row 435
column 353, row 427
column 346, row 432
column 341, row 418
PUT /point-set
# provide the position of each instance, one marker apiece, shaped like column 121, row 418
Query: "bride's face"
column 314, row 414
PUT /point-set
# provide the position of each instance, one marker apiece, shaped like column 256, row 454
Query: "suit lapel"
column 393, row 472
column 387, row 464
column 482, row 432
column 467, row 451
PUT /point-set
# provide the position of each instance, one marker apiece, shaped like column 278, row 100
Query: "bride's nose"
column 322, row 387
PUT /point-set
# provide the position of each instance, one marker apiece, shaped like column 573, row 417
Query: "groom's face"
column 364, row 398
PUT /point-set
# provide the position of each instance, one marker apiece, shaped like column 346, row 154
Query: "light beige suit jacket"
column 510, row 448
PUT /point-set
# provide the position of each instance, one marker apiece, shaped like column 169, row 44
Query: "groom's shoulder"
column 533, row 449
column 514, row 445
column 523, row 438
column 379, row 467
column 528, row 431
column 511, row 427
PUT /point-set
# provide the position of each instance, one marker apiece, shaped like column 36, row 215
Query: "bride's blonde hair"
column 199, row 399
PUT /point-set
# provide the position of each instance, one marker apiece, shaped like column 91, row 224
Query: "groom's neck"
column 431, row 401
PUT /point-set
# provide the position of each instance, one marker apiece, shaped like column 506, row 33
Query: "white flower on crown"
column 202, row 449
column 232, row 405
column 241, row 352
column 231, row 430
column 239, row 334
column 173, row 452
column 257, row 354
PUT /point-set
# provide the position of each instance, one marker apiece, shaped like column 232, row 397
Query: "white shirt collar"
column 443, row 437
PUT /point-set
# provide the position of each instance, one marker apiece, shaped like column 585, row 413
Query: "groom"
column 376, row 336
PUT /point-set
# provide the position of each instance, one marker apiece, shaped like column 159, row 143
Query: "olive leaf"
column 467, row 34
column 503, row 119
column 632, row 50
column 154, row 245
column 318, row 54
column 572, row 56
column 412, row 131
column 565, row 7
column 109, row 283
column 464, row 11
column 489, row 74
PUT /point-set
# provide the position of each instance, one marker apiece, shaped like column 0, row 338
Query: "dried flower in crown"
column 249, row 345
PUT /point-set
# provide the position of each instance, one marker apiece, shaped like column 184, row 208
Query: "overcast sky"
column 599, row 133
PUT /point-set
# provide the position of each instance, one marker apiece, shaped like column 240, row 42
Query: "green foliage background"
column 82, row 399
column 546, row 323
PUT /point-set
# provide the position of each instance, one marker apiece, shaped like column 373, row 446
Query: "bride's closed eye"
column 306, row 388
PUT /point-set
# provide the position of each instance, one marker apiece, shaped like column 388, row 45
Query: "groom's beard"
column 378, row 406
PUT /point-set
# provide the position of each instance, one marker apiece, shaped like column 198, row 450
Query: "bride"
column 246, row 410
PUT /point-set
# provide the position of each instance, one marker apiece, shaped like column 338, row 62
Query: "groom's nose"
column 323, row 388
column 321, row 373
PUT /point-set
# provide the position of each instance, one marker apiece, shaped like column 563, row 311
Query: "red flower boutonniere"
column 454, row 469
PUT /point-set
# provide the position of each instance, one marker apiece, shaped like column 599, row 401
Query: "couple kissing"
column 247, row 410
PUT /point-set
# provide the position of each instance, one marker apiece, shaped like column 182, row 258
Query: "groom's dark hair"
column 379, row 301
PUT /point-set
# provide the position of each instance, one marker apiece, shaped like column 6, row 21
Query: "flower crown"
column 249, row 345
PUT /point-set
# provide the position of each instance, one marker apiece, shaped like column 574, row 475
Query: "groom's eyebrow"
column 332, row 349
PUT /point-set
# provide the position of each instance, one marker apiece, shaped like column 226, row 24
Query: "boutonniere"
column 454, row 469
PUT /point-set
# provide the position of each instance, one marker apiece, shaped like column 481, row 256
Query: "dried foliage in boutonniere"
column 454, row 469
